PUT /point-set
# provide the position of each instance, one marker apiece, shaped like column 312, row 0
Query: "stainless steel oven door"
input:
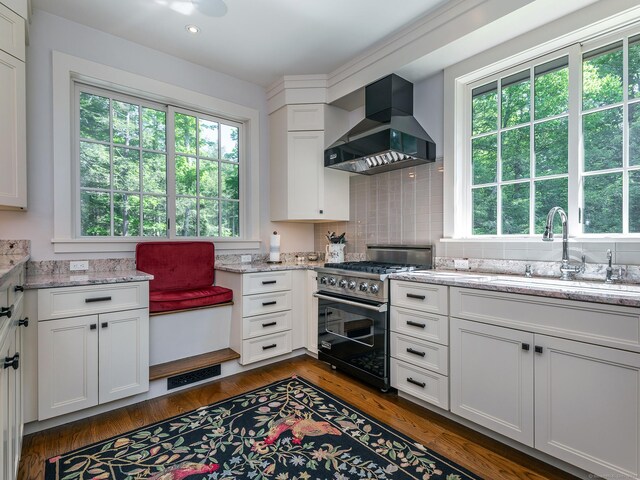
column 353, row 333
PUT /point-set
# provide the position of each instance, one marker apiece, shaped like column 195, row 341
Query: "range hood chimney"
column 388, row 138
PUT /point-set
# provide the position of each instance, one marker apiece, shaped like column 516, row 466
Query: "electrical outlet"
column 245, row 258
column 461, row 264
column 78, row 265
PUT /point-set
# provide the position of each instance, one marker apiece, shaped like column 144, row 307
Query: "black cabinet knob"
column 538, row 349
column 526, row 346
column 13, row 362
column 6, row 312
column 24, row 322
column 18, row 288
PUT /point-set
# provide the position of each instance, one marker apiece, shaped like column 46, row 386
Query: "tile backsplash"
column 398, row 207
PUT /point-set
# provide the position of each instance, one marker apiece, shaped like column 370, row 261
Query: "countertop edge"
column 35, row 282
column 13, row 262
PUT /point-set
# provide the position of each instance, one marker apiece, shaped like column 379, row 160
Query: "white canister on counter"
column 274, row 248
column 335, row 253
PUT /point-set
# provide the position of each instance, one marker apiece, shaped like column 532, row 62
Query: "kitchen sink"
column 577, row 285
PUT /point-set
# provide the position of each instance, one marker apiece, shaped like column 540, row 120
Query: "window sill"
column 102, row 245
column 621, row 238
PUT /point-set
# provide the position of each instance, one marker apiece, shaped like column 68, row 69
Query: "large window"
column 560, row 130
column 149, row 170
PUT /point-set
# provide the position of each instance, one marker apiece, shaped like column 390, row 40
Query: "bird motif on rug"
column 184, row 470
column 300, row 428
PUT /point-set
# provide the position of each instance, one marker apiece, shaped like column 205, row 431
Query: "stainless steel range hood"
column 388, row 138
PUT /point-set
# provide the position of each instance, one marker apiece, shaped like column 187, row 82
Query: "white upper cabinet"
column 13, row 124
column 301, row 188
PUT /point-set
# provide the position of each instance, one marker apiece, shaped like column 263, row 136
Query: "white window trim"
column 66, row 69
column 582, row 26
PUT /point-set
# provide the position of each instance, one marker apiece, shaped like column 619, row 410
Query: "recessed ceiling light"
column 192, row 29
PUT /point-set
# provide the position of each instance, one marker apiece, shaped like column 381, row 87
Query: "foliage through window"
column 149, row 170
column 535, row 138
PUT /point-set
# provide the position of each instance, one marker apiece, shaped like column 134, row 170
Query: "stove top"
column 380, row 268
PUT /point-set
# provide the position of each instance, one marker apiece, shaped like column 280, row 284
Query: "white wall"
column 49, row 33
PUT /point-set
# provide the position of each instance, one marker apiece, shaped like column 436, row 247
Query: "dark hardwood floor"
column 480, row 454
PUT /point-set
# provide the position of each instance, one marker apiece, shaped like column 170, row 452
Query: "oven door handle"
column 380, row 308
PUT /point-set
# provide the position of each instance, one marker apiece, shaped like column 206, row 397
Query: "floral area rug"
column 288, row 430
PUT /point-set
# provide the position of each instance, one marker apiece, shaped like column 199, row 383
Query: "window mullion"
column 625, row 135
column 499, row 161
column 574, row 200
column 171, row 171
column 532, row 152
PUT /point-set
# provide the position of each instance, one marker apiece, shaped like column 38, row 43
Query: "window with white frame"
column 152, row 170
column 563, row 129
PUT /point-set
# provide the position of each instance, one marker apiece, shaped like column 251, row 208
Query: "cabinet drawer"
column 73, row 301
column 253, row 283
column 266, row 303
column 420, row 296
column 423, row 354
column 259, row 325
column 12, row 33
column 423, row 384
column 305, row 117
column 423, row 326
column 268, row 346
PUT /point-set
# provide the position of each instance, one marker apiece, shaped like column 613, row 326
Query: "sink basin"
column 578, row 286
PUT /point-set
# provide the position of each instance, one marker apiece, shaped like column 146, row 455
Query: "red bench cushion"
column 177, row 265
column 169, row 300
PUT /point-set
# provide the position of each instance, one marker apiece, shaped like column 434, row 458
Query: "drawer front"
column 259, row 325
column 423, row 384
column 253, row 283
column 420, row 296
column 90, row 299
column 266, row 303
column 422, row 354
column 423, row 326
column 268, row 346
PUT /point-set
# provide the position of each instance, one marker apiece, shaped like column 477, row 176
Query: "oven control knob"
column 323, row 280
column 352, row 285
column 364, row 286
column 343, row 283
column 374, row 288
column 332, row 281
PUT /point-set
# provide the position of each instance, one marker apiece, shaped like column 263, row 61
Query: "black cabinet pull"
column 18, row 288
column 321, row 211
column 269, row 282
column 13, row 362
column 24, row 322
column 266, row 304
column 416, row 324
column 525, row 346
column 538, row 349
column 97, row 299
column 417, row 297
column 105, row 324
column 416, row 352
column 93, row 326
column 267, row 347
column 269, row 324
column 6, row 312
column 415, row 382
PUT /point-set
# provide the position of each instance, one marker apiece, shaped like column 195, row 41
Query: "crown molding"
column 296, row 89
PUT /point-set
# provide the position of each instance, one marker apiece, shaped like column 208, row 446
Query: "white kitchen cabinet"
column 302, row 189
column 13, row 127
column 90, row 360
column 93, row 346
column 492, row 378
column 312, row 312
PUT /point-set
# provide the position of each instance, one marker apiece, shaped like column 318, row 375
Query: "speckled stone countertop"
column 627, row 294
column 267, row 267
column 85, row 278
column 8, row 263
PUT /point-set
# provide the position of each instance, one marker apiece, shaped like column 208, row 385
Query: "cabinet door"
column 5, row 415
column 588, row 406
column 67, row 365
column 491, row 374
column 124, row 354
column 13, row 157
column 306, row 175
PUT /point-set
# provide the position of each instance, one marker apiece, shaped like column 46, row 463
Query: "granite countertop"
column 8, row 263
column 266, row 267
column 85, row 278
column 627, row 294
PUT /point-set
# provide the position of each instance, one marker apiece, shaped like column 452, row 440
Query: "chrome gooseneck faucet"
column 567, row 271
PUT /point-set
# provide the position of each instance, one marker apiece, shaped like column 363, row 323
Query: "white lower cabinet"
column 574, row 400
column 90, row 360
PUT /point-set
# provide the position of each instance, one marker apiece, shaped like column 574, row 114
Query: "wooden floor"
column 480, row 454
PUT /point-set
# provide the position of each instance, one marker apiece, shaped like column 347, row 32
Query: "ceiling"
column 258, row 41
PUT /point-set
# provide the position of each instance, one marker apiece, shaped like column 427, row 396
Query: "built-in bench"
column 184, row 337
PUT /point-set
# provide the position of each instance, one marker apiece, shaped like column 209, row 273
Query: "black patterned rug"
column 289, row 430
